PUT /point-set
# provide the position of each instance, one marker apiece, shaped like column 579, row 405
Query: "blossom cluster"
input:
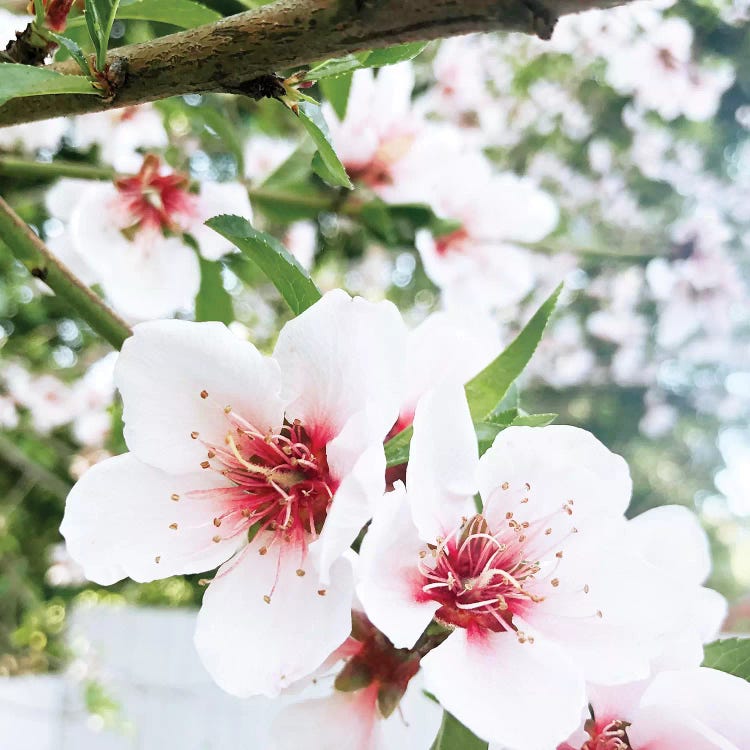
column 509, row 586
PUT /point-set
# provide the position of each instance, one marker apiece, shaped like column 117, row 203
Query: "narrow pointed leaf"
column 332, row 169
column 280, row 266
column 488, row 388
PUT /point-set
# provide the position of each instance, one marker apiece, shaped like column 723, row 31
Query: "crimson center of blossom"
column 479, row 580
column 153, row 200
column 611, row 736
column 484, row 577
column 281, row 483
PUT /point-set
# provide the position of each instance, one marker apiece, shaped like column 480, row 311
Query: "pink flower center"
column 281, row 483
column 483, row 577
column 612, row 736
column 451, row 243
column 378, row 172
column 152, row 200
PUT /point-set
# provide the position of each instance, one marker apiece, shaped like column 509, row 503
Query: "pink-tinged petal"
column 671, row 538
column 176, row 378
column 610, row 618
column 356, row 457
column 340, row 720
column 662, row 729
column 717, row 700
column 218, row 198
column 517, row 695
column 414, row 724
column 122, row 520
column 443, row 457
column 537, row 470
column 264, row 626
column 390, row 586
column 337, row 357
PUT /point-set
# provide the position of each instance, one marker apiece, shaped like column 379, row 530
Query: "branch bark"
column 227, row 55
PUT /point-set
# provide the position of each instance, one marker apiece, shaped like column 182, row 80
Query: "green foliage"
column 24, row 80
column 487, row 389
column 213, row 302
column 377, row 59
column 281, row 268
column 326, row 163
column 336, row 91
column 183, row 13
column 100, row 15
column 455, row 736
column 397, row 448
column 730, row 655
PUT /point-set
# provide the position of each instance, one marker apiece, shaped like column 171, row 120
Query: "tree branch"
column 227, row 55
column 42, row 264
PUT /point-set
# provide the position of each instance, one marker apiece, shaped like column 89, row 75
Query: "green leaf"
column 488, row 388
column 25, row 80
column 74, row 51
column 183, row 13
column 337, row 66
column 336, row 90
column 213, row 301
column 397, row 448
column 730, row 655
column 282, row 269
column 392, row 55
column 340, row 66
column 100, row 15
column 332, row 168
column 455, row 736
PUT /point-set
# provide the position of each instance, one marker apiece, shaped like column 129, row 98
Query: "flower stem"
column 16, row 167
column 42, row 264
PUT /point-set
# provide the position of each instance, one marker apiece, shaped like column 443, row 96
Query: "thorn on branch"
column 543, row 21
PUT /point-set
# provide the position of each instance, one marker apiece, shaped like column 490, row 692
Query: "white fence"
column 145, row 660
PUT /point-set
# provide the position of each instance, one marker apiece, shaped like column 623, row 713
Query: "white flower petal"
column 341, row 720
column 445, row 348
column 661, row 729
column 518, row 695
column 558, row 464
column 443, row 457
column 415, row 724
column 162, row 371
column 121, row 521
column 719, row 701
column 390, row 584
column 671, row 538
column 338, row 356
column 251, row 646
column 145, row 282
column 355, row 456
